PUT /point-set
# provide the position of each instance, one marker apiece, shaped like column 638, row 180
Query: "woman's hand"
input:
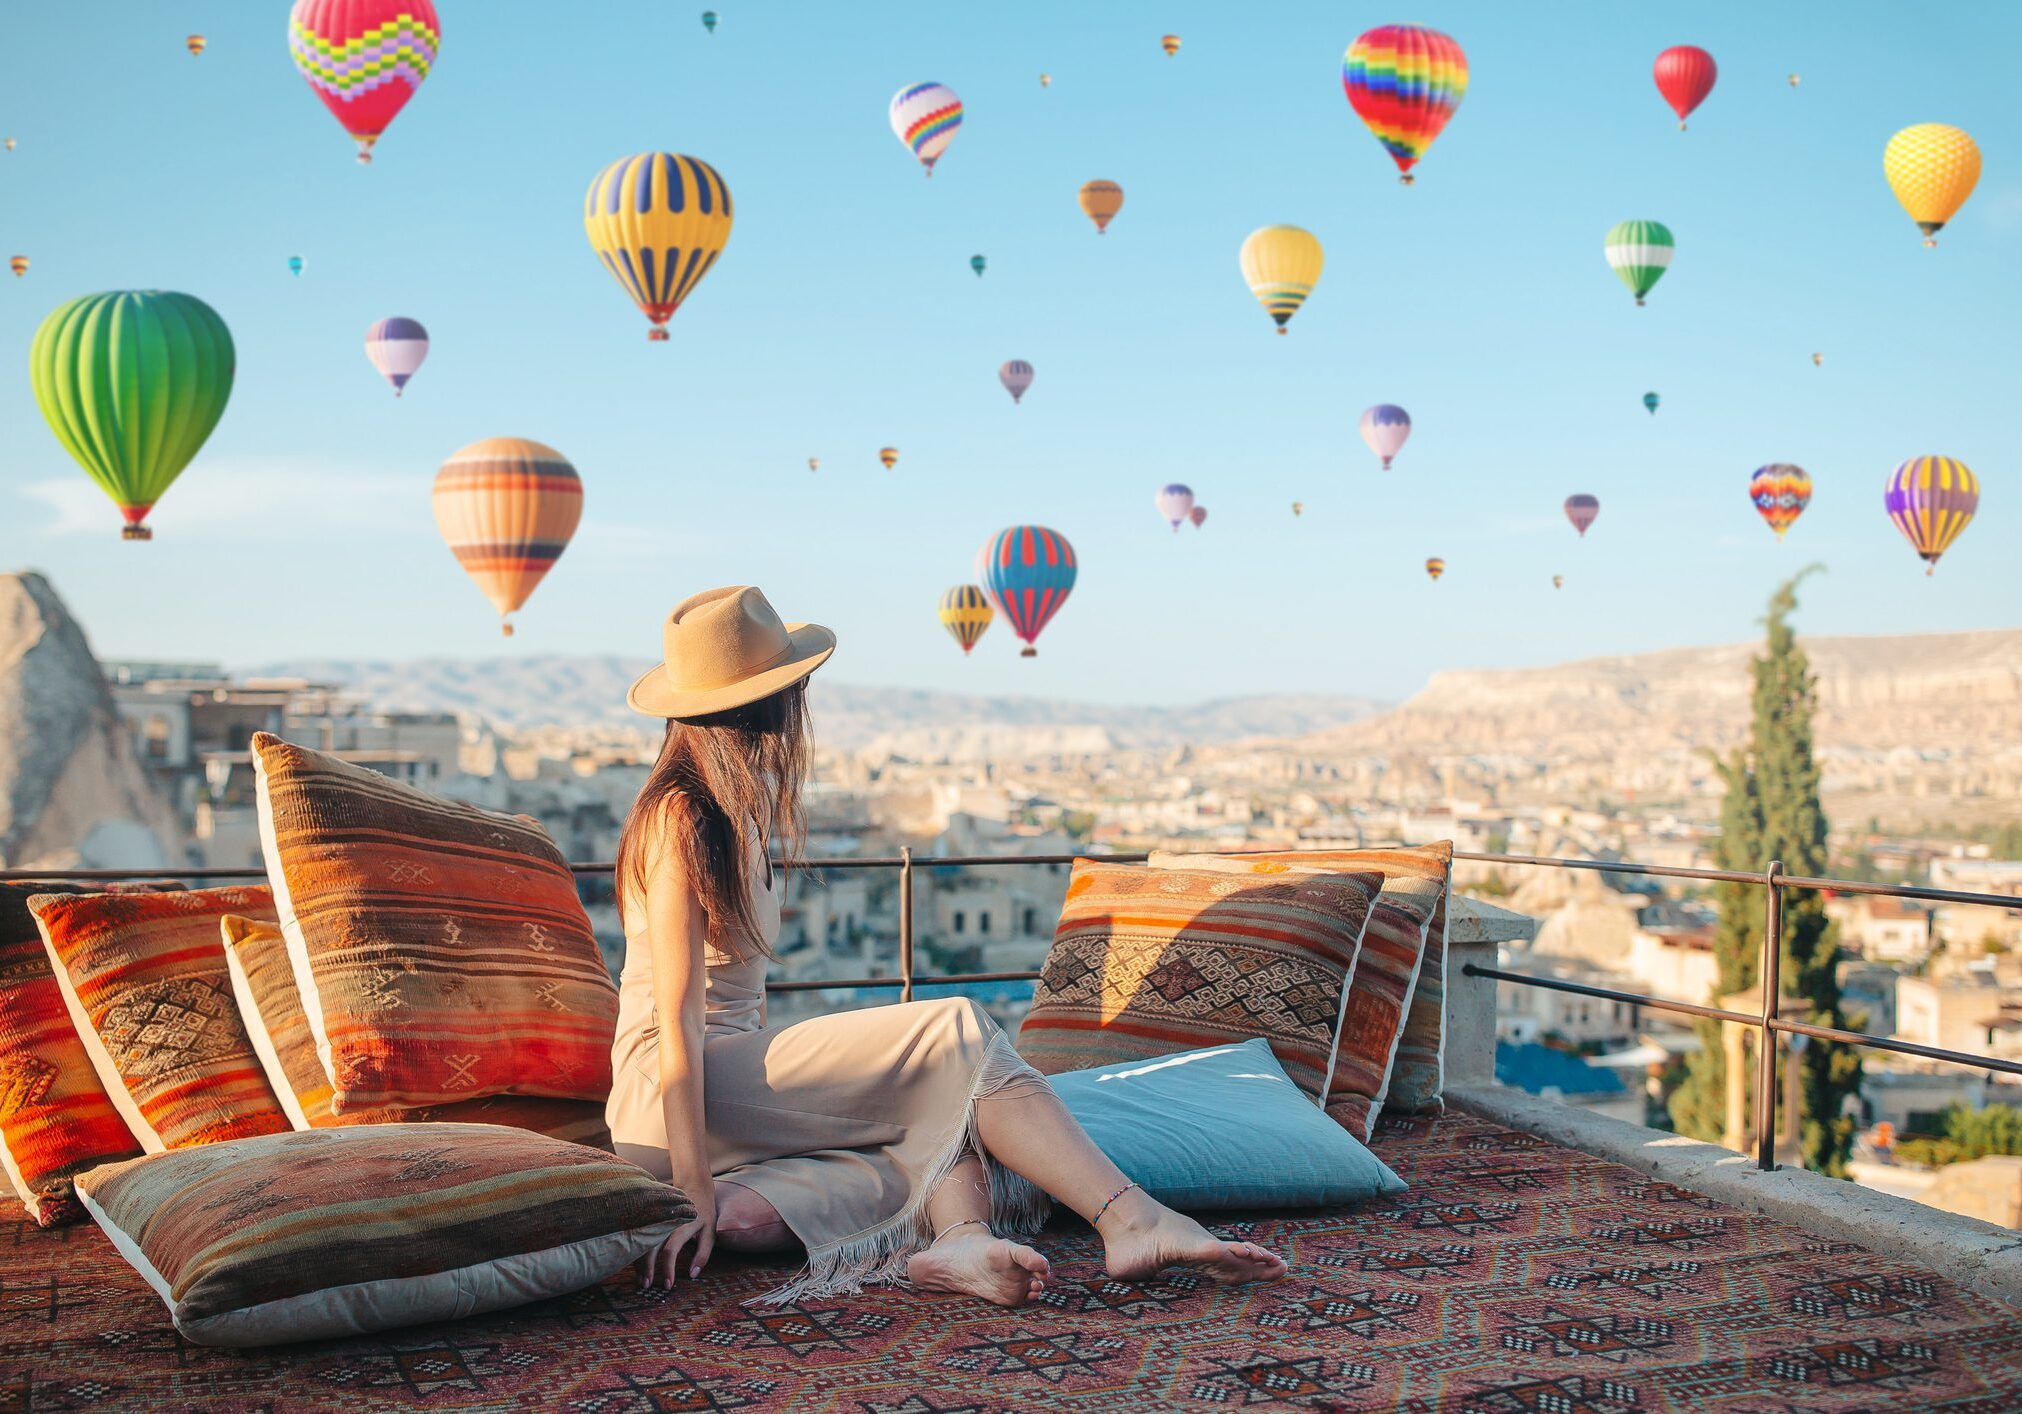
column 665, row 1263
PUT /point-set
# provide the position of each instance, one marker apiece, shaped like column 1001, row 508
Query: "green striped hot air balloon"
column 132, row 383
column 1639, row 252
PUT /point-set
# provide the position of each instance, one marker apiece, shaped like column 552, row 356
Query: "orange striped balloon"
column 507, row 507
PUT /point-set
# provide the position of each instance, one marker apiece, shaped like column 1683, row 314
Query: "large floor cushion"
column 271, row 1008
column 1147, row 962
column 1379, row 992
column 1222, row 1128
column 440, row 950
column 331, row 1232
column 143, row 975
column 56, row 1119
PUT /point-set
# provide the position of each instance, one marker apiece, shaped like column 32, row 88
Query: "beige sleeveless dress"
column 844, row 1123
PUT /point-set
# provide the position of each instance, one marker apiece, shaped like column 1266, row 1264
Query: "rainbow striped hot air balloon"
column 1027, row 572
column 965, row 613
column 1281, row 264
column 364, row 58
column 19, row 265
column 507, row 507
column 658, row 221
column 1435, row 567
column 1016, row 376
column 1780, row 493
column 1931, row 499
column 1175, row 503
column 889, row 456
column 396, row 348
column 925, row 117
column 1404, row 82
column 1170, row 43
column 1385, row 428
column 1639, row 252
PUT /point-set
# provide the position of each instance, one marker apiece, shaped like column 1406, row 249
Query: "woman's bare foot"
column 973, row 1263
column 1146, row 1237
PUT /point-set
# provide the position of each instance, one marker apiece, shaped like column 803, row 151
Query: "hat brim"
column 656, row 696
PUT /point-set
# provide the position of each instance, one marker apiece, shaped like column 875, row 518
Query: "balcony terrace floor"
column 1513, row 1275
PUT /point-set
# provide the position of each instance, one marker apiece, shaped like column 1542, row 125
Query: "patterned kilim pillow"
column 56, row 1121
column 263, row 980
column 440, row 950
column 1418, row 1075
column 1148, row 962
column 335, row 1232
column 1379, row 994
column 144, row 978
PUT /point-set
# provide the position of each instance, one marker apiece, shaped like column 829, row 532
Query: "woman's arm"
column 675, row 929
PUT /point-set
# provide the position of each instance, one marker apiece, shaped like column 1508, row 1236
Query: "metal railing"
column 1767, row 1023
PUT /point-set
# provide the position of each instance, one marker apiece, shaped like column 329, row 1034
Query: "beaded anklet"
column 1111, row 1199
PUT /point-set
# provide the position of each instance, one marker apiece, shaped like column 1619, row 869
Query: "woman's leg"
column 1028, row 1130
column 746, row 1222
column 965, row 1255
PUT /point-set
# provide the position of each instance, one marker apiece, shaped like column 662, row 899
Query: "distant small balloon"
column 19, row 265
column 1298, row 508
column 1794, row 80
column 1100, row 201
column 396, row 348
column 295, row 265
column 1435, row 567
column 1175, row 503
column 195, row 44
column 1170, row 43
column 977, row 263
column 1650, row 401
column 889, row 456
column 1198, row 515
column 965, row 612
column 814, row 463
column 1780, row 492
column 1046, row 80
column 1558, row 581
column 1016, row 376
column 10, row 144
column 1581, row 510
column 1639, row 252
column 1385, row 428
column 1818, row 360
column 709, row 20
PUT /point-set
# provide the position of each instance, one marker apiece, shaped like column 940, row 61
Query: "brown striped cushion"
column 330, row 1232
column 271, row 1008
column 143, row 976
column 1417, row 1076
column 1379, row 993
column 56, row 1120
column 1148, row 962
column 440, row 950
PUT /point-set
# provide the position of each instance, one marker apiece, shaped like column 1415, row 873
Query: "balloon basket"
column 1282, row 331
column 656, row 335
column 1405, row 179
column 1639, row 301
column 364, row 157
column 1028, row 652
column 135, row 532
column 505, row 630
column 1930, row 242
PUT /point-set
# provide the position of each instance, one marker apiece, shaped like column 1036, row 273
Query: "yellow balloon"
column 1932, row 169
column 1100, row 201
column 658, row 221
column 1282, row 264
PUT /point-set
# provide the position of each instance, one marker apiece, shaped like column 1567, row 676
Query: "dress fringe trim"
column 878, row 1255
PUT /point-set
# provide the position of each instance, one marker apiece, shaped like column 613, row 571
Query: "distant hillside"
column 1939, row 690
column 516, row 694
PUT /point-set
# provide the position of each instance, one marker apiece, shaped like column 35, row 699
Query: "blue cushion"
column 1222, row 1128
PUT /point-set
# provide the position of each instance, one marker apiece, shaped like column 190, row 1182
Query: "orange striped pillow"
column 440, row 950
column 143, row 977
column 1148, row 962
column 271, row 1008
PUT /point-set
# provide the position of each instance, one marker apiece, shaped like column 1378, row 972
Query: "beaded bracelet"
column 1111, row 1199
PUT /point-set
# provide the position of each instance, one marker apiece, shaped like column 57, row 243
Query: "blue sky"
column 843, row 316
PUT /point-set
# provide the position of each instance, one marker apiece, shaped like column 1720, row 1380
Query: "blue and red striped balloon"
column 1028, row 572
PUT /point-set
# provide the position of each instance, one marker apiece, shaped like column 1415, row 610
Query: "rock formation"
column 72, row 794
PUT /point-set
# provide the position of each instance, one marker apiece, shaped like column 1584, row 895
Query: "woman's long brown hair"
column 723, row 784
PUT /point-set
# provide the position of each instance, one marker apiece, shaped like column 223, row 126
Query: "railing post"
column 1770, row 975
column 905, row 923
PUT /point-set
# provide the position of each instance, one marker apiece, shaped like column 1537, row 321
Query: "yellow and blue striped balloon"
column 658, row 221
column 1931, row 499
column 965, row 613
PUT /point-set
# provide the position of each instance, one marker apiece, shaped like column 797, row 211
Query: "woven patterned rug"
column 1513, row 1276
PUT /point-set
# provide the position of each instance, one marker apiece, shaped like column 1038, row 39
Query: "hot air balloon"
column 1404, row 82
column 1100, row 201
column 925, row 116
column 1175, row 503
column 1931, row 499
column 1780, row 492
column 965, row 613
column 1558, row 581
column 1046, row 80
column 658, row 221
column 1932, row 169
column 709, row 20
column 889, row 456
column 1016, row 376
column 1818, row 360
column 814, row 463
column 1384, row 428
column 1685, row 75
column 1639, row 252
column 132, row 383
column 1581, row 510
column 507, row 507
column 1027, row 572
column 977, row 263
column 295, row 266
column 364, row 58
column 1198, row 515
column 1281, row 264
column 1170, row 43
column 1298, row 508
column 19, row 265
column 396, row 348
column 1650, row 401
column 10, row 144
column 195, row 44
column 1435, row 567
column 1794, row 80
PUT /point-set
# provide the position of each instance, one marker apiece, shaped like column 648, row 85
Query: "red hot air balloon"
column 1685, row 75
column 1197, row 515
column 1581, row 510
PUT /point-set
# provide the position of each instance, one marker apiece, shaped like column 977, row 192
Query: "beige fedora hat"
column 725, row 648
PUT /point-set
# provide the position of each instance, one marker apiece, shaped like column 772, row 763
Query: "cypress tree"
column 1772, row 811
